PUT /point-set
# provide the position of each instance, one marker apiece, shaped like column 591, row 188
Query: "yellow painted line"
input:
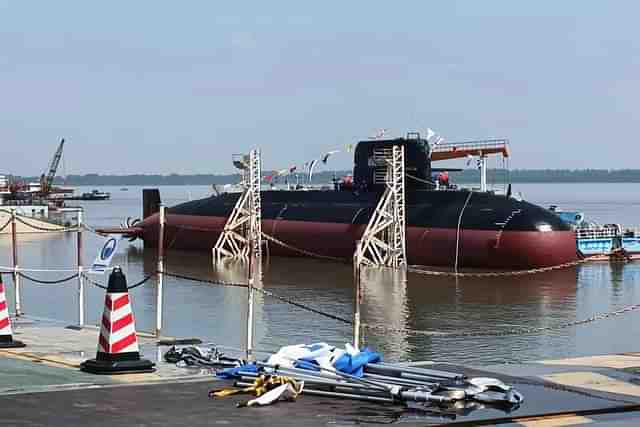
column 616, row 361
column 50, row 360
column 136, row 378
column 594, row 381
column 560, row 421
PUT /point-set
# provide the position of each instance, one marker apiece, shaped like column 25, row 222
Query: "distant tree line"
column 465, row 176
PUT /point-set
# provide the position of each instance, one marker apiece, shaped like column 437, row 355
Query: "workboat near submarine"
column 487, row 230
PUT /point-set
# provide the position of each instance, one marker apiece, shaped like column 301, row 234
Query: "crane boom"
column 47, row 183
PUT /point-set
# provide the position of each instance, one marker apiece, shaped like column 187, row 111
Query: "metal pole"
column 163, row 220
column 483, row 172
column 250, row 355
column 357, row 297
column 16, row 275
column 80, row 279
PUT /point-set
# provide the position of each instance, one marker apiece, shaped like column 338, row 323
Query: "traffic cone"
column 118, row 351
column 6, row 338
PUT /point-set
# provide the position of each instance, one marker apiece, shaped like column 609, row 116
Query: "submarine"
column 488, row 230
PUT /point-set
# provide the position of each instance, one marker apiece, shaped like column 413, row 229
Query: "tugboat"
column 489, row 230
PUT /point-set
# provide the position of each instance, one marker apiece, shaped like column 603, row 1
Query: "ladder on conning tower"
column 384, row 241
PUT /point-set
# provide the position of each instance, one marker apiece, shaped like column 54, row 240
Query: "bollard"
column 163, row 220
column 16, row 274
column 80, row 278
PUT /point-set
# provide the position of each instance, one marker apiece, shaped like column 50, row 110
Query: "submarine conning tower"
column 370, row 162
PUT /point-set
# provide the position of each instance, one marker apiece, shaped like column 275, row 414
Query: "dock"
column 41, row 384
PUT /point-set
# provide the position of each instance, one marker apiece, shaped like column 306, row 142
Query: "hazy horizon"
column 145, row 88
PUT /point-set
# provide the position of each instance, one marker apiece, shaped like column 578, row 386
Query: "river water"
column 391, row 299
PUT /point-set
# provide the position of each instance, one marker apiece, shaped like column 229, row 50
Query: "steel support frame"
column 384, row 240
column 242, row 234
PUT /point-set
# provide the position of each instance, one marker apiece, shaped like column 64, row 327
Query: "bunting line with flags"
column 433, row 139
column 326, row 156
column 312, row 165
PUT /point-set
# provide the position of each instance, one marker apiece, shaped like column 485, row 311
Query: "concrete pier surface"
column 41, row 385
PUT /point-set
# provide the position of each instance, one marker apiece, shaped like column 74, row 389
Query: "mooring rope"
column 455, row 265
column 415, row 269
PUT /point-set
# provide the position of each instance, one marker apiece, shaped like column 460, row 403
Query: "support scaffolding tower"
column 383, row 242
column 242, row 234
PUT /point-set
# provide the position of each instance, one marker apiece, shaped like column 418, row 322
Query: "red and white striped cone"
column 6, row 337
column 118, row 351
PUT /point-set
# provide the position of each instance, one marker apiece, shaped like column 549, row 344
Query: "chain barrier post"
column 80, row 278
column 16, row 274
column 250, row 296
column 163, row 220
column 357, row 296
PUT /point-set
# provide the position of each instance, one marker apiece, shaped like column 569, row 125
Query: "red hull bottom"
column 425, row 246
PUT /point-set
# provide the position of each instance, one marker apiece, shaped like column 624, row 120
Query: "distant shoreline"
column 466, row 176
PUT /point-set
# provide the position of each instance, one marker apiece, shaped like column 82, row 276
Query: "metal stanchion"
column 16, row 275
column 80, row 278
column 357, row 296
column 163, row 220
column 250, row 355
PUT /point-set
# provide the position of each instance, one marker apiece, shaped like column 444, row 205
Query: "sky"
column 178, row 87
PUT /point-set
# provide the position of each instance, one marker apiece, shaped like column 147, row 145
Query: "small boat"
column 601, row 242
column 124, row 189
column 609, row 241
column 93, row 195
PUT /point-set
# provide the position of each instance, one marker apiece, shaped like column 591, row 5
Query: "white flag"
column 105, row 255
column 430, row 133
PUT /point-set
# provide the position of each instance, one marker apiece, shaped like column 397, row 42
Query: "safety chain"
column 264, row 292
column 302, row 251
column 51, row 230
column 48, row 282
column 508, row 332
column 5, row 269
column 413, row 269
column 140, row 283
column 303, row 306
column 418, row 268
column 5, row 225
column 211, row 282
